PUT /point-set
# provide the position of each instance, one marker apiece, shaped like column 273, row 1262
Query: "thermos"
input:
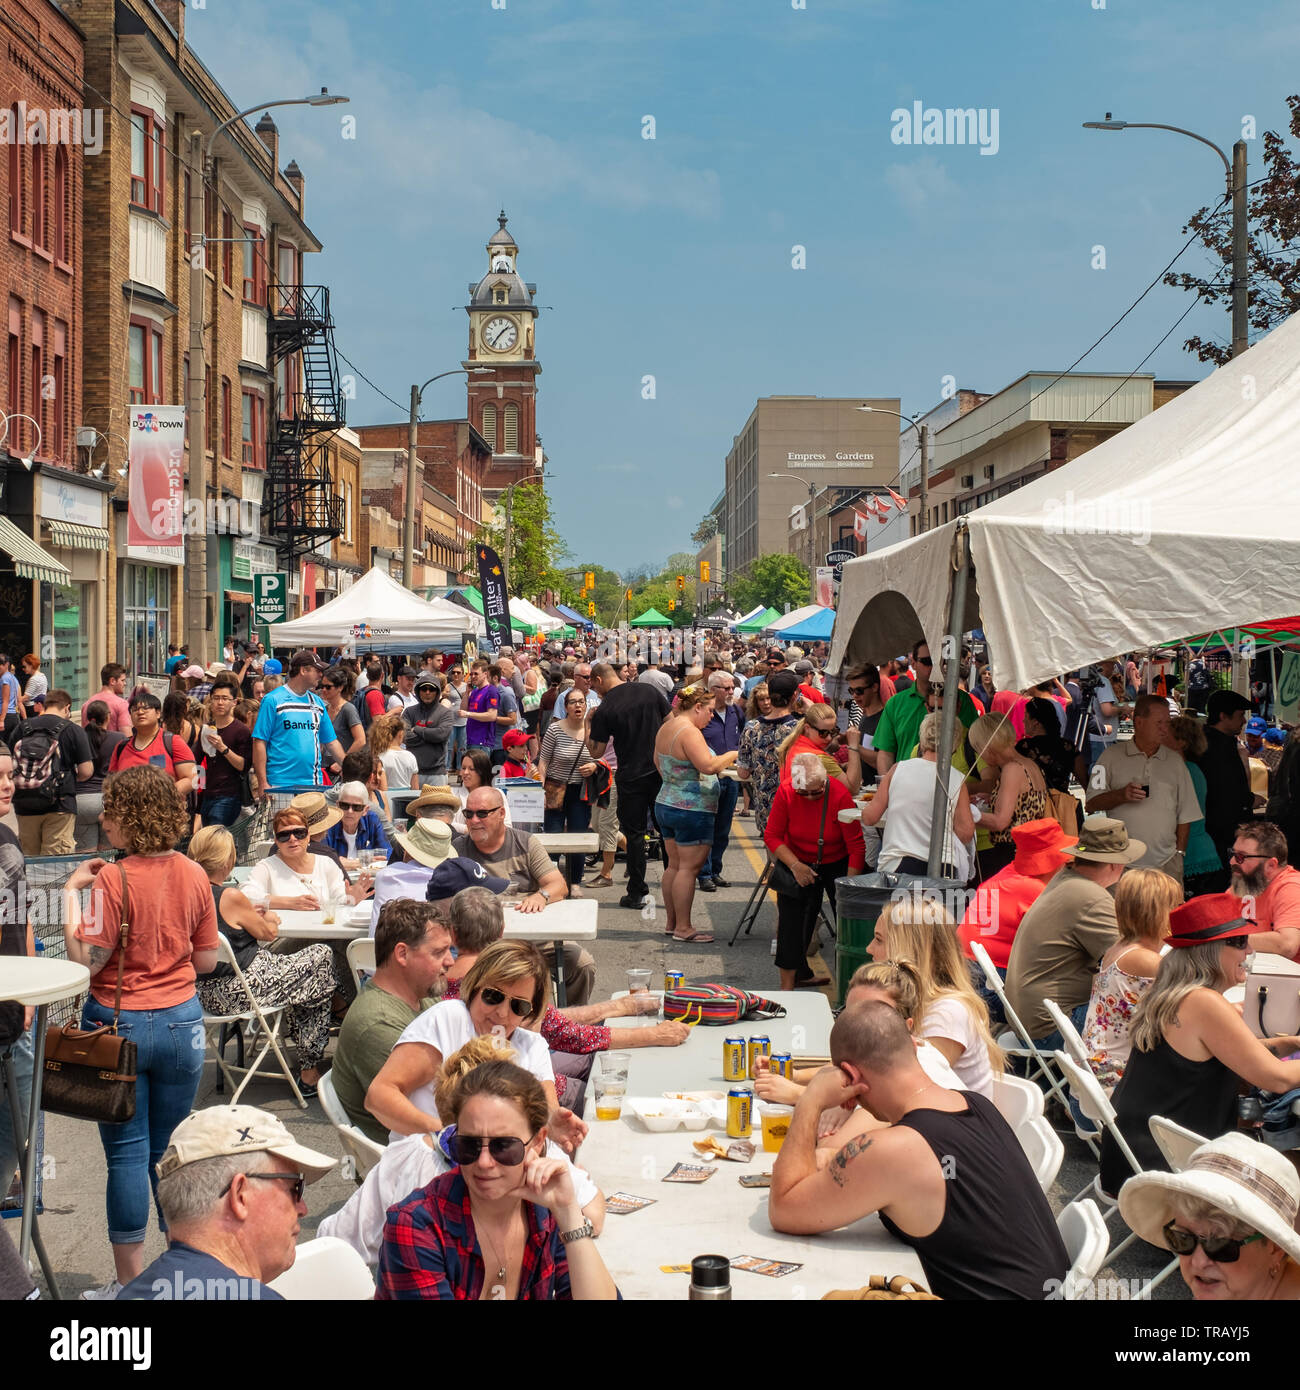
column 710, row 1278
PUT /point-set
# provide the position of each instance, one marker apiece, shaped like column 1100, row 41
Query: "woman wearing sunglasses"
column 1229, row 1216
column 414, row 1161
column 505, row 989
column 360, row 828
column 815, row 733
column 293, row 878
column 336, row 688
column 1191, row 1049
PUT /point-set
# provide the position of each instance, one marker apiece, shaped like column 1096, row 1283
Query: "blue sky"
column 672, row 257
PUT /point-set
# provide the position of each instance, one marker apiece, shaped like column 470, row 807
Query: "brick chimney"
column 293, row 175
column 268, row 133
column 173, row 11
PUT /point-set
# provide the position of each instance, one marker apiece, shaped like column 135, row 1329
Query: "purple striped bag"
column 717, row 1005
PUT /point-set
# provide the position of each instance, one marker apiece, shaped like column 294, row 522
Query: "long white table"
column 307, row 926
column 719, row 1217
column 566, row 842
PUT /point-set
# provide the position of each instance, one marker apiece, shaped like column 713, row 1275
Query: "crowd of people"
column 1122, row 878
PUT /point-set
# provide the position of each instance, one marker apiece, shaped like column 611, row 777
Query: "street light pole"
column 1235, row 169
column 812, row 529
column 923, row 433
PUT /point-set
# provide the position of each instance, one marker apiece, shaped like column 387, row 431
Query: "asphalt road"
column 74, row 1224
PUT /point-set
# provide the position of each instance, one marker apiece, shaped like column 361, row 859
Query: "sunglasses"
column 328, row 685
column 299, row 1181
column 820, row 733
column 350, row 806
column 481, row 815
column 924, row 661
column 1237, row 943
column 1241, row 858
column 521, row 1008
column 299, row 832
column 505, row 1149
column 858, row 689
column 1219, row 1248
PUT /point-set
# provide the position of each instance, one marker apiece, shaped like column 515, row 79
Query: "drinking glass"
column 610, row 1091
column 638, row 981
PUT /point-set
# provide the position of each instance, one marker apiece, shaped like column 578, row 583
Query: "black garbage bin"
column 859, row 901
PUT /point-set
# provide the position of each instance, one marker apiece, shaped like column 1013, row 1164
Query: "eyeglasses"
column 299, row 1181
column 505, row 1149
column 493, row 998
column 1241, row 858
column 1237, row 943
column 924, row 661
column 350, row 806
column 481, row 815
column 299, row 832
column 1220, row 1249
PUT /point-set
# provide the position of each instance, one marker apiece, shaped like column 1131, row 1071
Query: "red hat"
column 1211, row 917
column 1038, row 846
column 514, row 738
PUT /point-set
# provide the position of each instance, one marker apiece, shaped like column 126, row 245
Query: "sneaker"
column 706, row 885
column 628, row 901
column 106, row 1294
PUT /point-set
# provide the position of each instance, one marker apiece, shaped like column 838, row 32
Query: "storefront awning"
column 74, row 535
column 29, row 559
column 235, row 596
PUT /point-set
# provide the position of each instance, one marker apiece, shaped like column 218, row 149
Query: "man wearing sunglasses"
column 1270, row 887
column 230, row 1186
column 900, row 722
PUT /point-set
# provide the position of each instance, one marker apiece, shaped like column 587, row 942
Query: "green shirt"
column 900, row 721
column 373, row 1024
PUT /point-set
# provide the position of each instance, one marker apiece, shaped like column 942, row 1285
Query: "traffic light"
column 628, row 595
column 672, row 605
column 591, row 579
column 582, row 593
column 591, row 610
column 681, row 583
column 704, row 571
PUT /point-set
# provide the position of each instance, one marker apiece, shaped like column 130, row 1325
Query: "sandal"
column 600, row 881
column 697, row 938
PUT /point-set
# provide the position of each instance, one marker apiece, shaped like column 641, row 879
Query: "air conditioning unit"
column 968, row 480
column 988, row 470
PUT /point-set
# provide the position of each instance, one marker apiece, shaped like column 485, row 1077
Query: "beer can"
column 759, row 1043
column 735, row 1066
column 673, row 979
column 740, row 1105
column 781, row 1064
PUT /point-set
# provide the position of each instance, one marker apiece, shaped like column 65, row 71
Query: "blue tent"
column 573, row 616
column 817, row 629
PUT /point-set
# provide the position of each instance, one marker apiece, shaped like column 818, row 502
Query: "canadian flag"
column 899, row 502
column 860, row 520
column 881, row 509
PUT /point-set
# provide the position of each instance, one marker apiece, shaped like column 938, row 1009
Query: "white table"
column 35, row 980
column 307, row 926
column 719, row 1216
column 567, row 920
column 564, row 842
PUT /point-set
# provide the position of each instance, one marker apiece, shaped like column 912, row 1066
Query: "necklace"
column 501, row 1267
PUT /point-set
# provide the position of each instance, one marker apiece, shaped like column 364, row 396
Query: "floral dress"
column 759, row 741
column 1115, row 994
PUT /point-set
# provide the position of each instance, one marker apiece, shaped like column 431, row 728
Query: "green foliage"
column 535, row 548
column 773, row 581
column 706, row 530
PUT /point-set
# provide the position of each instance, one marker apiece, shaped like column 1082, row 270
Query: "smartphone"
column 756, row 1180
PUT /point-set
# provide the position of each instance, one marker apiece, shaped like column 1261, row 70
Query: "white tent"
column 745, row 617
column 794, row 618
column 1187, row 521
column 523, row 611
column 382, row 616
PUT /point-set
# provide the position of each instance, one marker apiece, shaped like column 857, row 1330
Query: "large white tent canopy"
column 523, row 611
column 381, row 616
column 1187, row 521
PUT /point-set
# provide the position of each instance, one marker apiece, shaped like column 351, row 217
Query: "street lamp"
column 510, row 528
column 923, row 431
column 812, row 528
column 25, row 459
column 1235, row 170
column 196, row 560
column 100, row 437
column 412, row 469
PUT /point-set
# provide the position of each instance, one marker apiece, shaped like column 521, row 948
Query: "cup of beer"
column 776, row 1125
column 610, row 1091
column 638, row 981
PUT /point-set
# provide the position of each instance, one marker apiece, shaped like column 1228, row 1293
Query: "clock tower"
column 502, row 400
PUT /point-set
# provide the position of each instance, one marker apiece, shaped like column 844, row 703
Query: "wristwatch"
column 542, row 893
column 584, row 1232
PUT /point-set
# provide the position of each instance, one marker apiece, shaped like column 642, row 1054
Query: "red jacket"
column 793, row 821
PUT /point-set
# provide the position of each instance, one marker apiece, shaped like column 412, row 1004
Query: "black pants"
column 636, row 797
column 796, row 918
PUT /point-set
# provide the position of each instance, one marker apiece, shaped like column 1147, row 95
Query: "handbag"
column 90, row 1072
column 554, row 791
column 717, row 1005
column 1272, row 985
column 782, row 880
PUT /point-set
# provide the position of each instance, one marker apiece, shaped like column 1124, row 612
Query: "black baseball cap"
column 305, row 657
column 454, row 874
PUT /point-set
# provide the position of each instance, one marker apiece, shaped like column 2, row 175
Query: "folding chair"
column 1074, row 1043
column 1174, row 1142
column 259, row 1027
column 1043, row 1149
column 357, row 1145
column 1096, row 1105
column 361, row 959
column 1086, row 1239
column 330, row 1103
column 1018, row 1101
column 755, row 905
column 326, row 1269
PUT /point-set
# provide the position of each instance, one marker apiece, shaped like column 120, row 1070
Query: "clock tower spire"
column 502, row 401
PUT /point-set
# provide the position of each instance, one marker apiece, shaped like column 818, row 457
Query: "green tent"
column 758, row 622
column 652, row 617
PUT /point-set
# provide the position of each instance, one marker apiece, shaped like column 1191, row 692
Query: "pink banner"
column 156, row 476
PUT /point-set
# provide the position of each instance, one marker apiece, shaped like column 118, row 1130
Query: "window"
column 254, row 265
column 145, row 363
column 36, row 387
column 209, row 214
column 253, row 450
column 15, row 175
column 347, row 513
column 510, row 445
column 60, row 400
column 189, row 223
column 490, row 425
column 146, row 160
column 62, row 222
column 40, row 223
column 225, row 417
column 227, row 250
column 286, row 276
column 13, row 396
column 146, row 618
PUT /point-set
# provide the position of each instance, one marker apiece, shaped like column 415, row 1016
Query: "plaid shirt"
column 429, row 1250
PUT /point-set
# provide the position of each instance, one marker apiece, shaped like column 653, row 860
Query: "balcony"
column 148, row 254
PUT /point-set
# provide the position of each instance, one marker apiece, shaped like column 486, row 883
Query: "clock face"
column 500, row 334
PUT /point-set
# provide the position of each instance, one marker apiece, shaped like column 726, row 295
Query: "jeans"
column 22, row 1057
column 455, row 748
column 432, row 779
column 170, row 1049
column 728, row 795
column 220, row 810
column 1054, row 1042
column 574, row 816
column 635, row 798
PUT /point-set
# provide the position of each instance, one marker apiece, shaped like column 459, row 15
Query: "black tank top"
column 997, row 1239
column 243, row 945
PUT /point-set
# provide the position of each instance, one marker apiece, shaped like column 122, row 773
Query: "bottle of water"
column 710, row 1279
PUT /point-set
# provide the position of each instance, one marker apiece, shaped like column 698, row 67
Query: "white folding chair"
column 1174, row 1142
column 326, row 1269
column 361, row 958
column 330, row 1103
column 1043, row 1149
column 258, row 1028
column 1086, row 1239
column 1074, row 1044
column 357, row 1145
column 1018, row 1101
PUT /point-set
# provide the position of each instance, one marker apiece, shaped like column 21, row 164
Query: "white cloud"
column 919, row 183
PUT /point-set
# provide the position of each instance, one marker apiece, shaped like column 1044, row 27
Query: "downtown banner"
column 496, row 606
column 156, row 478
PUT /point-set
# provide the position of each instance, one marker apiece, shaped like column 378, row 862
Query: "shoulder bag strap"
column 821, row 829
column 124, row 935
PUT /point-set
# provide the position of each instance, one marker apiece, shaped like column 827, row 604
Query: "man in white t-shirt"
column 404, row 696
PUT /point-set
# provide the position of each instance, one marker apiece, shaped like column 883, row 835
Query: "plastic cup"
column 610, row 1091
column 776, row 1125
column 613, row 1065
column 638, row 981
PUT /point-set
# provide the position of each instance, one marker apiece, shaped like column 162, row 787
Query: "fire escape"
column 300, row 507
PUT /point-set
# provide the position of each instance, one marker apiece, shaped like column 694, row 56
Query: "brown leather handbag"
column 90, row 1072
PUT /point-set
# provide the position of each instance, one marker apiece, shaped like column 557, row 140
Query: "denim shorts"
column 685, row 827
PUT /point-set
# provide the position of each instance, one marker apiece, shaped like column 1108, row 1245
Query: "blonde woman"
column 1021, row 790
column 814, row 733
column 948, row 1011
column 386, row 739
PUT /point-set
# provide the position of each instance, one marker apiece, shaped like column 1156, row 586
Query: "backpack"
column 361, row 704
column 38, row 772
column 717, row 1004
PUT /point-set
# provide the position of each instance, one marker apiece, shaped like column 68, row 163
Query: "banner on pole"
column 496, row 606
column 156, row 483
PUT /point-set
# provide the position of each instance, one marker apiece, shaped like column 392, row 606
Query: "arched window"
column 15, row 174
column 40, row 223
column 62, row 239
column 510, row 423
column 490, row 426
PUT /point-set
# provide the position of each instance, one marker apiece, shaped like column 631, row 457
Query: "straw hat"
column 428, row 842
column 1248, row 1182
column 316, row 811
column 1106, row 841
column 430, row 796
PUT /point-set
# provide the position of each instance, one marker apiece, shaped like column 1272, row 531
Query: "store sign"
column 270, row 598
column 248, row 558
column 156, row 484
column 61, row 499
column 842, row 458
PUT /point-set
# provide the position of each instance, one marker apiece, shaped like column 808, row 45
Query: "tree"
column 536, row 548
column 706, row 530
column 1272, row 255
column 773, row 581
column 608, row 595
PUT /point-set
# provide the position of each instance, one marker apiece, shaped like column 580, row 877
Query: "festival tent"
column 650, row 618
column 816, row 627
column 1159, row 529
column 521, row 611
column 795, row 618
column 573, row 616
column 745, row 617
column 757, row 622
column 379, row 613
